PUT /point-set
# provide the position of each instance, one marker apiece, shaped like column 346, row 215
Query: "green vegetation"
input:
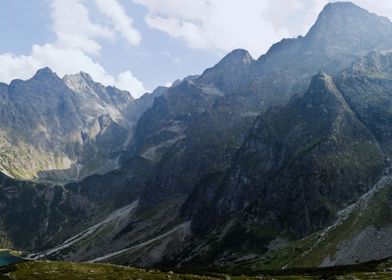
column 63, row 271
column 45, row 270
column 312, row 250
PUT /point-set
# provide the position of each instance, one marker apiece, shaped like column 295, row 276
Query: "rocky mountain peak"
column 78, row 82
column 322, row 79
column 84, row 83
column 339, row 7
column 230, row 73
column 45, row 74
column 343, row 24
column 238, row 56
column 342, row 11
column 85, row 76
column 322, row 90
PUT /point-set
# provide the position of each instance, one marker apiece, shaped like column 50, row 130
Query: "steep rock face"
column 195, row 115
column 342, row 34
column 231, row 73
column 65, row 129
column 212, row 112
column 284, row 167
column 313, row 154
column 36, row 111
column 345, row 27
column 300, row 164
column 83, row 84
column 254, row 172
column 49, row 215
column 367, row 87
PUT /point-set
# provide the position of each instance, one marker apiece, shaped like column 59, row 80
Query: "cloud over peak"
column 120, row 21
column 222, row 25
column 76, row 45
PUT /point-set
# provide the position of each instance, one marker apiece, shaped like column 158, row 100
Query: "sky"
column 137, row 45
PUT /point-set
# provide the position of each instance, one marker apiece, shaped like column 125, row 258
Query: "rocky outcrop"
column 300, row 164
column 59, row 130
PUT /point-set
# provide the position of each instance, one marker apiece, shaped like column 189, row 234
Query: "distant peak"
column 323, row 78
column 45, row 70
column 237, row 56
column 321, row 75
column 337, row 6
column 79, row 76
column 322, row 89
column 85, row 76
column 342, row 9
column 44, row 73
column 341, row 13
column 344, row 24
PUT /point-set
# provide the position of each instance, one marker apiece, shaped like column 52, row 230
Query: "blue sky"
column 139, row 44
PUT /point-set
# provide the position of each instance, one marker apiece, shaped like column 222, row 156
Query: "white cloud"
column 222, row 25
column 73, row 27
column 121, row 22
column 76, row 42
column 127, row 80
column 380, row 7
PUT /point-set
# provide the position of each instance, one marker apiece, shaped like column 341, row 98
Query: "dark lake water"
column 7, row 258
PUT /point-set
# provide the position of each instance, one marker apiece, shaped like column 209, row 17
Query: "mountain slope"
column 300, row 164
column 65, row 129
column 341, row 35
column 214, row 111
column 236, row 165
column 344, row 238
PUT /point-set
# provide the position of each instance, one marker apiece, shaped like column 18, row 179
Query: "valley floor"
column 46, row 270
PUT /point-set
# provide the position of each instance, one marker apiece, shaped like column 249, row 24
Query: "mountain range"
column 61, row 130
column 273, row 163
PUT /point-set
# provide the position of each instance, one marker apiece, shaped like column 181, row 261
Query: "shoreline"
column 12, row 252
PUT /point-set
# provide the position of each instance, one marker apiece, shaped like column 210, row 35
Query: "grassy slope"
column 61, row 270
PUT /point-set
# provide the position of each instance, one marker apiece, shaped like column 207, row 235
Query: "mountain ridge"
column 53, row 128
column 249, row 163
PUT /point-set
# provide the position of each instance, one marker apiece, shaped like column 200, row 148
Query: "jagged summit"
column 81, row 77
column 323, row 91
column 229, row 73
column 45, row 73
column 333, row 13
column 238, row 56
column 340, row 6
column 322, row 78
column 78, row 82
column 349, row 23
column 84, row 75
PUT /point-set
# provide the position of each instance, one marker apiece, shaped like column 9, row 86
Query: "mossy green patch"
column 44, row 270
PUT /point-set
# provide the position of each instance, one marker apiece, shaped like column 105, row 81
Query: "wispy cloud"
column 222, row 25
column 76, row 45
column 121, row 22
column 74, row 29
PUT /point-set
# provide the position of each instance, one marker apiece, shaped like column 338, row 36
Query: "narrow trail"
column 122, row 212
column 148, row 242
